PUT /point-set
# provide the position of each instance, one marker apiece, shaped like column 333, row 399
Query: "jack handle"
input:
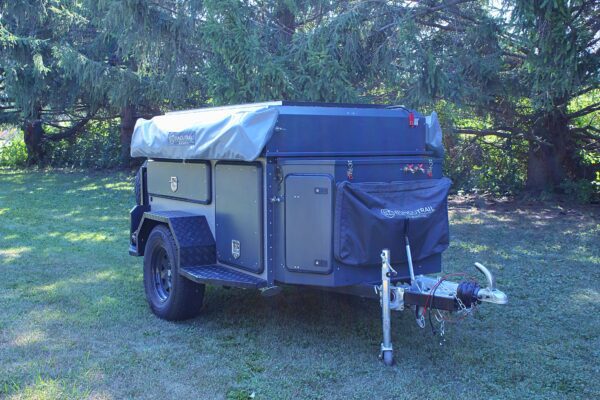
column 385, row 259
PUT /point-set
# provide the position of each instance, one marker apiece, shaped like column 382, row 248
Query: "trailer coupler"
column 427, row 293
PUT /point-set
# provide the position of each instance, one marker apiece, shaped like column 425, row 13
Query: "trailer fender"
column 136, row 214
column 193, row 237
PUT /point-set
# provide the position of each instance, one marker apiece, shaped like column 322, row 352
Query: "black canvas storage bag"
column 372, row 216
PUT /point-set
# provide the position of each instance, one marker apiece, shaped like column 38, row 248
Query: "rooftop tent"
column 220, row 133
column 242, row 132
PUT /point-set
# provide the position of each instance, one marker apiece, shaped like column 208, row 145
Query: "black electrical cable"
column 433, row 330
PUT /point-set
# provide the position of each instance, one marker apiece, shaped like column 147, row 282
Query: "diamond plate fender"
column 193, row 238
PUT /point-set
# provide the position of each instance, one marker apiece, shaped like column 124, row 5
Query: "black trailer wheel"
column 388, row 358
column 170, row 295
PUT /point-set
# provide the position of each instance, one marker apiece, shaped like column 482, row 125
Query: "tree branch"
column 583, row 133
column 515, row 55
column 484, row 132
column 447, row 28
column 420, row 12
column 449, row 4
column 584, row 91
column 73, row 130
column 584, row 111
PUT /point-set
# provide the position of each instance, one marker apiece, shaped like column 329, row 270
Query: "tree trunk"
column 287, row 19
column 549, row 164
column 128, row 117
column 33, row 134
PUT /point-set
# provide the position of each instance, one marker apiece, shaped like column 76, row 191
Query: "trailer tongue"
column 426, row 294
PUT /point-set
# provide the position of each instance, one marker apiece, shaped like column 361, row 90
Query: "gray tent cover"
column 433, row 138
column 219, row 133
column 225, row 133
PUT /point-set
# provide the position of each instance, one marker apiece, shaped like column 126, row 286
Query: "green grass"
column 74, row 322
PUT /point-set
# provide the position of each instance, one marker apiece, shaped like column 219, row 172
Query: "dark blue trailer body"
column 317, row 131
column 320, row 147
column 274, row 218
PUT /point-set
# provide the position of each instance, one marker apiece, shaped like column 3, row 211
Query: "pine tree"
column 513, row 72
column 519, row 69
column 68, row 62
column 157, row 48
column 30, row 36
column 560, row 44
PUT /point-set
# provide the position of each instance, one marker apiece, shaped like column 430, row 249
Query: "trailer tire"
column 170, row 295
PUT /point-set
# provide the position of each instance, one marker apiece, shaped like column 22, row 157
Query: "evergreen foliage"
column 516, row 82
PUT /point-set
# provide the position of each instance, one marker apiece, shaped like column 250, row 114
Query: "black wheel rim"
column 161, row 271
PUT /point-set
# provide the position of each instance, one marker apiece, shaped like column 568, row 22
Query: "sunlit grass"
column 86, row 236
column 9, row 255
column 46, row 388
column 28, row 338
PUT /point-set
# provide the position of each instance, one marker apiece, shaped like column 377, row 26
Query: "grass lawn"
column 74, row 322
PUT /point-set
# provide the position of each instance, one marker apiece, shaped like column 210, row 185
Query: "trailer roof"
column 245, row 131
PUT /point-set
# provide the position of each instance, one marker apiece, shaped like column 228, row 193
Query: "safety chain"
column 464, row 310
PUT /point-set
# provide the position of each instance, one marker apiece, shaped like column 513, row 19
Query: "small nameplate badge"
column 181, row 138
column 174, row 183
column 236, row 249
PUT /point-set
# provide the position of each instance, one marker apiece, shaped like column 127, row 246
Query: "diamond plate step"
column 222, row 275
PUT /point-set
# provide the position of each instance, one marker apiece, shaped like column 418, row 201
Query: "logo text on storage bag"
column 417, row 213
